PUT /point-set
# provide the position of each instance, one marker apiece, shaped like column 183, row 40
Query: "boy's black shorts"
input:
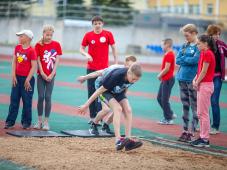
column 119, row 97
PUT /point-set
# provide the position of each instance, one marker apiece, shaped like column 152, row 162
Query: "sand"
column 80, row 153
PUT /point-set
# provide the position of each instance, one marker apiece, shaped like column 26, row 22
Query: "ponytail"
column 210, row 41
column 46, row 28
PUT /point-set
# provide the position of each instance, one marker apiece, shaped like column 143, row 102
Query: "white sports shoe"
column 38, row 125
column 214, row 131
column 46, row 126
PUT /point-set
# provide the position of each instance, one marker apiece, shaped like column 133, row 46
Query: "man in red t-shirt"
column 98, row 42
column 23, row 67
column 167, row 81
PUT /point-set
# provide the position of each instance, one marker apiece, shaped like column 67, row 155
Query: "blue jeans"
column 17, row 93
column 215, row 102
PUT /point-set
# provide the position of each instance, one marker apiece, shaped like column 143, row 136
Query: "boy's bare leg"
column 117, row 110
column 109, row 119
column 102, row 113
column 127, row 111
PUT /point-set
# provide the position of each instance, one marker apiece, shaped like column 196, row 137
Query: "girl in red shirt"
column 48, row 52
column 203, row 83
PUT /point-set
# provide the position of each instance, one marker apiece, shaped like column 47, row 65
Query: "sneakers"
column 25, row 126
column 190, row 137
column 133, row 144
column 185, row 137
column 91, row 121
column 106, row 128
column 43, row 126
column 46, row 126
column 174, row 116
column 8, row 126
column 93, row 129
column 214, row 131
column 38, row 125
column 200, row 143
column 165, row 122
column 121, row 143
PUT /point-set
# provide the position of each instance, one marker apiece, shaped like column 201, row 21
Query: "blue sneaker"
column 201, row 143
column 94, row 129
column 120, row 144
column 106, row 128
column 133, row 144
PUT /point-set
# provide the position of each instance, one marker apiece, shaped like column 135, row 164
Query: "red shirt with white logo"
column 47, row 55
column 98, row 48
column 208, row 57
column 170, row 58
column 23, row 59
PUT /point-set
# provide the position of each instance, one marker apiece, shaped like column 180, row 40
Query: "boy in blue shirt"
column 113, row 88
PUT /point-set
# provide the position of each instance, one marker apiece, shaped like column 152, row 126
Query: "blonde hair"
column 189, row 28
column 130, row 58
column 45, row 29
column 136, row 69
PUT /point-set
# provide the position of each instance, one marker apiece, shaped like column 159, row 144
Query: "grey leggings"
column 188, row 97
column 44, row 92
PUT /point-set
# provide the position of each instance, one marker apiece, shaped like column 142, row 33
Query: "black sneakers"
column 200, row 143
column 106, row 128
column 93, row 129
column 133, row 144
column 128, row 144
column 185, row 137
column 8, row 126
column 120, row 144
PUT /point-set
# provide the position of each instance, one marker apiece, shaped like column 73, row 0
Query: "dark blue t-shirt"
column 115, row 82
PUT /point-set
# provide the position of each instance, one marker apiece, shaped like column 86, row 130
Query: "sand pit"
column 79, row 153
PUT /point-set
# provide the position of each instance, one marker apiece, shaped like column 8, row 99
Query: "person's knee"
column 128, row 110
column 48, row 98
column 214, row 101
column 41, row 98
column 117, row 109
column 106, row 110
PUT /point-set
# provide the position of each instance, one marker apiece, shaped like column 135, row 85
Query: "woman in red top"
column 48, row 52
column 203, row 83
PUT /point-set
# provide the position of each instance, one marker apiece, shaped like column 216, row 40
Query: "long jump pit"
column 99, row 153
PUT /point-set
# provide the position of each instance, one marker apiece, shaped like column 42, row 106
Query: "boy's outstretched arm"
column 82, row 109
column 95, row 74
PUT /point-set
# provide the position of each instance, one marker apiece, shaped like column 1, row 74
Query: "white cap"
column 29, row 33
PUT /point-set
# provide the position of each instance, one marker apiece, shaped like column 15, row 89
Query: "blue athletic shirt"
column 115, row 81
column 105, row 73
column 187, row 59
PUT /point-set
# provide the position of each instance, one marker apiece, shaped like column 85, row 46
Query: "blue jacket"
column 187, row 59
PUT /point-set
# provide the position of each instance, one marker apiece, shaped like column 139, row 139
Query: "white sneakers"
column 43, row 126
column 46, row 126
column 38, row 125
column 214, row 131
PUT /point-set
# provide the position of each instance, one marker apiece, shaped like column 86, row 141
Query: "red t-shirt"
column 47, row 54
column 208, row 57
column 170, row 58
column 23, row 59
column 98, row 48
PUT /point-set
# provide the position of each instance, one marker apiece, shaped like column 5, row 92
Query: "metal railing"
column 112, row 16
